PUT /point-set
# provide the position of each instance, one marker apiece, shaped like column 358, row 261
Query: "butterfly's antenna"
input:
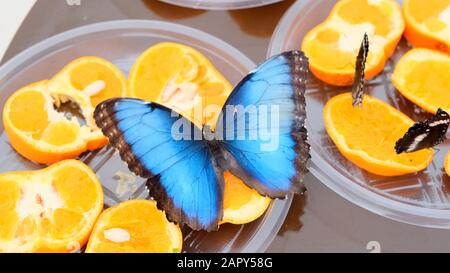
column 359, row 81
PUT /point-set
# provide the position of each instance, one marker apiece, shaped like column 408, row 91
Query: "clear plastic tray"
column 220, row 4
column 421, row 199
column 122, row 42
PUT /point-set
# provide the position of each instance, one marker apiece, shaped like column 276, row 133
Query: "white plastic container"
column 421, row 199
column 121, row 42
column 220, row 4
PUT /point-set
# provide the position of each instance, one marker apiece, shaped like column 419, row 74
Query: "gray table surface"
column 319, row 221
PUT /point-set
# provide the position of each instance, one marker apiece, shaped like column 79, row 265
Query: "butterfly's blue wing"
column 262, row 126
column 183, row 178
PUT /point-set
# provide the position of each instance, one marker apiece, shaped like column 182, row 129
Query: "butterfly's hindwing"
column 425, row 134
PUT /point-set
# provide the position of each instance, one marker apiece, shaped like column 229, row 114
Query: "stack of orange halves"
column 367, row 135
column 59, row 208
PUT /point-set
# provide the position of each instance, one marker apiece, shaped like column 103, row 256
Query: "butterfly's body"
column 185, row 165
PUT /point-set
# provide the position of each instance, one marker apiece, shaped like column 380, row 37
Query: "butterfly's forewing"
column 358, row 83
column 425, row 134
column 271, row 154
column 183, row 178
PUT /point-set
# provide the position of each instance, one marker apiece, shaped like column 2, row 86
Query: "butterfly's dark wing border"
column 300, row 67
column 104, row 117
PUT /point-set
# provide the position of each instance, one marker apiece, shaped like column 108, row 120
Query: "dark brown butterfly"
column 424, row 134
column 358, row 83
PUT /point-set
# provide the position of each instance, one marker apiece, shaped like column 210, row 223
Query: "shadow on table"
column 293, row 222
column 234, row 238
column 260, row 21
column 171, row 12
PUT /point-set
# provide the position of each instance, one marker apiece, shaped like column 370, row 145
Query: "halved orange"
column 241, row 203
column 40, row 133
column 180, row 78
column 447, row 164
column 95, row 78
column 423, row 76
column 333, row 45
column 428, row 23
column 367, row 135
column 49, row 210
column 88, row 80
column 134, row 226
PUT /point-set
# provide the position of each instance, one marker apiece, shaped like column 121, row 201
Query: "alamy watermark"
column 237, row 122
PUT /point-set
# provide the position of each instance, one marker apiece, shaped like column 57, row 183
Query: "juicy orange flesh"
column 9, row 195
column 360, row 11
column 373, row 129
column 25, row 216
column 44, row 206
column 65, row 222
column 75, row 188
column 173, row 77
column 236, row 193
column 333, row 45
column 85, row 74
column 325, row 48
column 330, row 56
column 146, row 225
column 60, row 133
column 26, row 228
column 328, row 36
column 429, row 80
column 28, row 113
column 427, row 13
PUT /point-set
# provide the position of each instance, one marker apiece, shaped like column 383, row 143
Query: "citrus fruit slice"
column 49, row 210
column 39, row 132
column 428, row 23
column 367, row 135
column 241, row 204
column 180, row 78
column 95, row 78
column 447, row 164
column 134, row 226
column 333, row 45
column 423, row 76
column 88, row 80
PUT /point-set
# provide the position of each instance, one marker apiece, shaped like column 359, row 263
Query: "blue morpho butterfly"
column 185, row 174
